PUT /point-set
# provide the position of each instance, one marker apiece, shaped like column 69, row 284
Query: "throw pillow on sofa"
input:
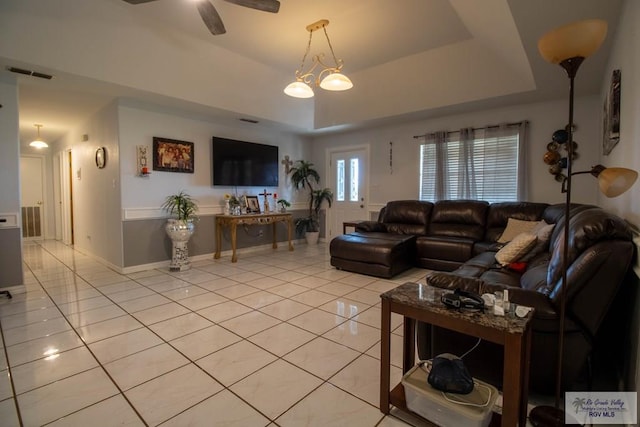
column 543, row 232
column 516, row 249
column 514, row 228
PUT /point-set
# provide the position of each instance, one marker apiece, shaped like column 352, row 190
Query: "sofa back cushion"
column 499, row 214
column 407, row 217
column 459, row 218
column 587, row 227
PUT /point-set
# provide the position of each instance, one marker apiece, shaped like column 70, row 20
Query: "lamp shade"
column 299, row 89
column 615, row 181
column 579, row 39
column 336, row 82
column 38, row 144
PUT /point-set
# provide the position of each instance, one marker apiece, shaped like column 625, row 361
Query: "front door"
column 349, row 177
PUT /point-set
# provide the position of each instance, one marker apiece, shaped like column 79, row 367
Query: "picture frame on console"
column 172, row 155
column 253, row 204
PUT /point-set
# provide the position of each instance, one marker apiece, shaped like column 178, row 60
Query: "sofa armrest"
column 445, row 280
column 371, row 226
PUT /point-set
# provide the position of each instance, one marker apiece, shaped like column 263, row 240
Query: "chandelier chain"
column 304, row 57
column 330, row 46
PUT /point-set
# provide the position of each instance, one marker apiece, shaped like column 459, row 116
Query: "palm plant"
column 302, row 176
column 181, row 205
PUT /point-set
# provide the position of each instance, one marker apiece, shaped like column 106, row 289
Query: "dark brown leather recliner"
column 600, row 253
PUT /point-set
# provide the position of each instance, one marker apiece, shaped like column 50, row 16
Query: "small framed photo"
column 253, row 205
column 171, row 155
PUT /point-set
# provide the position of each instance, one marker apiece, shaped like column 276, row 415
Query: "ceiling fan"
column 211, row 17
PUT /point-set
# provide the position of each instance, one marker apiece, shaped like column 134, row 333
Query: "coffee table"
column 513, row 333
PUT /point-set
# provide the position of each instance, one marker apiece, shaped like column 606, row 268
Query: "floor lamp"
column 568, row 46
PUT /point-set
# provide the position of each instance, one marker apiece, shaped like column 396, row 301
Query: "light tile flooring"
column 278, row 339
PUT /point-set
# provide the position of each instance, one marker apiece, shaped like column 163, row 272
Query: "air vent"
column 249, row 120
column 30, row 73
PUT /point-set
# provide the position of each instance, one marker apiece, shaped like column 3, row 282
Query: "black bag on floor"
column 449, row 374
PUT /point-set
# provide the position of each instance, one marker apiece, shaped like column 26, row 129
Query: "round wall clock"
column 101, row 157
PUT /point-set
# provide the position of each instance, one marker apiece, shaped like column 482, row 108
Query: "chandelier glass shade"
column 38, row 142
column 328, row 77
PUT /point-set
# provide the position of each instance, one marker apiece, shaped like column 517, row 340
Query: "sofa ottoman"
column 374, row 254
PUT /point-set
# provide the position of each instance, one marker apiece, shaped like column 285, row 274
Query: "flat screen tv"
column 244, row 164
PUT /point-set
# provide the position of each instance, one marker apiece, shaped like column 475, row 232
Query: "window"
column 482, row 164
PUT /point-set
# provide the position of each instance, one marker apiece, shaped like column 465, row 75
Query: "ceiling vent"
column 30, row 73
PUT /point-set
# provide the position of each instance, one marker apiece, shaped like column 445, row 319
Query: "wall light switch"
column 79, row 174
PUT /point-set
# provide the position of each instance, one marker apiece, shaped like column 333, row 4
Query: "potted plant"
column 301, row 176
column 284, row 204
column 180, row 228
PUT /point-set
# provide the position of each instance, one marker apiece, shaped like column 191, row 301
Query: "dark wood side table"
column 511, row 332
column 351, row 223
column 232, row 221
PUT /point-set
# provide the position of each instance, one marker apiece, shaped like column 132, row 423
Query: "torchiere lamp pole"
column 568, row 46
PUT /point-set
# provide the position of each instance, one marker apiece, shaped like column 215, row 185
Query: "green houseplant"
column 302, row 175
column 180, row 228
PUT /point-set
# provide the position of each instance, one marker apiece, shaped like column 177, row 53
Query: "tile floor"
column 278, row 339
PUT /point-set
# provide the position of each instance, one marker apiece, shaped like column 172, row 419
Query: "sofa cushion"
column 499, row 214
column 407, row 217
column 543, row 232
column 514, row 228
column 459, row 218
column 444, row 248
column 516, row 248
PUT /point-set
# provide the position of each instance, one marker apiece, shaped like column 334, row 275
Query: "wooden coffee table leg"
column 385, row 356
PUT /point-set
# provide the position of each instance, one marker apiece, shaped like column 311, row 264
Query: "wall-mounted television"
column 243, row 164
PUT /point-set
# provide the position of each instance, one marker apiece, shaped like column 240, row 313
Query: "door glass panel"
column 354, row 180
column 340, row 180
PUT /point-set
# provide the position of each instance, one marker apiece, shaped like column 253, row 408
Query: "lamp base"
column 543, row 416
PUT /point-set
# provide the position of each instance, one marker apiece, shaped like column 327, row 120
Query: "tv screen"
column 244, row 164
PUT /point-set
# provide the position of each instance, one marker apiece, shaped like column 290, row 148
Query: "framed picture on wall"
column 171, row 155
column 611, row 115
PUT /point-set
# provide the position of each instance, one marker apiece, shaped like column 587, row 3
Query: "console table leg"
column 234, row 257
column 218, row 240
column 275, row 241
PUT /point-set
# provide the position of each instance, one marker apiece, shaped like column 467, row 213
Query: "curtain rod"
column 482, row 128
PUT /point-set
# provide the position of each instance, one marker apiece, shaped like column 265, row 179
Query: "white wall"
column 96, row 192
column 142, row 197
column 544, row 118
column 626, row 153
column 10, row 239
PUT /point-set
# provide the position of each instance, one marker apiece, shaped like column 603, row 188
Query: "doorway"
column 349, row 181
column 32, row 186
column 64, row 197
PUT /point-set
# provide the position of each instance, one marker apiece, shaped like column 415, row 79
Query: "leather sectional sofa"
column 458, row 241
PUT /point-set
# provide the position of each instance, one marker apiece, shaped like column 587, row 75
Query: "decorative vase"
column 312, row 237
column 179, row 231
column 227, row 208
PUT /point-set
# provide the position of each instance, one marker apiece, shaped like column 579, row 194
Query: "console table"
column 513, row 333
column 232, row 221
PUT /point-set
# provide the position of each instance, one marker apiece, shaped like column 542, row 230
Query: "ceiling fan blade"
column 272, row 6
column 211, row 17
column 138, row 1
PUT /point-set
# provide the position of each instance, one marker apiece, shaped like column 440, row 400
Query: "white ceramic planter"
column 312, row 237
column 179, row 232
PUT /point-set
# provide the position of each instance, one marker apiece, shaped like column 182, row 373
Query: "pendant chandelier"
column 38, row 142
column 329, row 78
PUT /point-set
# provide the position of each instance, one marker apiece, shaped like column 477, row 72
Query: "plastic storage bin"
column 431, row 404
